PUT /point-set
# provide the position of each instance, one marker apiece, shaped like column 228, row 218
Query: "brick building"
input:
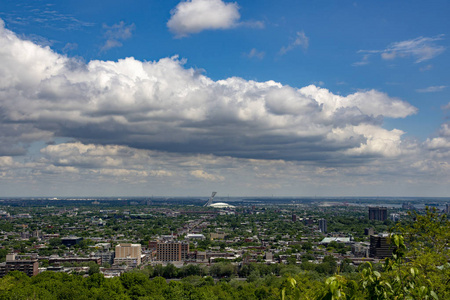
column 130, row 254
column 378, row 213
column 29, row 267
column 172, row 251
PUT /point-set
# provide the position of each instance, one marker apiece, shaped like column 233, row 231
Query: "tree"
column 93, row 268
column 131, row 279
column 3, row 253
column 96, row 280
column 55, row 242
column 307, row 246
column 170, row 271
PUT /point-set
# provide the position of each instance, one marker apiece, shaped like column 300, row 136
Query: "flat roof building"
column 172, row 251
column 380, row 246
column 29, row 267
column 327, row 240
column 130, row 254
column 195, row 236
column 71, row 241
column 378, row 213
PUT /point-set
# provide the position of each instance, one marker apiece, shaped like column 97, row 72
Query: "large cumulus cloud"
column 164, row 106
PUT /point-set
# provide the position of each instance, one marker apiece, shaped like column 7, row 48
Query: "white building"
column 195, row 236
column 130, row 254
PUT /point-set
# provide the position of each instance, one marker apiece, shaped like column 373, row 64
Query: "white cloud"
column 438, row 143
column 256, row 54
column 164, row 106
column 301, row 40
column 426, row 68
column 193, row 16
column 69, row 47
column 439, row 146
column 206, row 176
column 140, row 128
column 6, row 162
column 364, row 61
column 421, row 49
column 379, row 140
column 158, row 126
column 371, row 103
column 253, row 24
column 115, row 34
column 432, row 89
column 145, row 172
column 110, row 160
column 34, row 15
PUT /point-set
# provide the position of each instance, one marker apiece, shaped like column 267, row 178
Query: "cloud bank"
column 163, row 106
column 137, row 122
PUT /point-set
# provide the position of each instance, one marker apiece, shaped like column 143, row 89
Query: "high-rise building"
column 294, row 218
column 172, row 251
column 378, row 213
column 323, row 225
column 129, row 254
column 447, row 208
column 380, row 246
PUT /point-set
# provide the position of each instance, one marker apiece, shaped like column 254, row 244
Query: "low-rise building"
column 195, row 236
column 56, row 260
column 29, row 267
column 71, row 241
column 337, row 239
column 106, row 257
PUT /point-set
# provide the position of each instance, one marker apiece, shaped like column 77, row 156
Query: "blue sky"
column 292, row 98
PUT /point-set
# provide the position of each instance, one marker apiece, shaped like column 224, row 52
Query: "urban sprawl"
column 176, row 237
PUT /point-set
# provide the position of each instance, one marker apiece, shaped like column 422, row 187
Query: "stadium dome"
column 221, row 205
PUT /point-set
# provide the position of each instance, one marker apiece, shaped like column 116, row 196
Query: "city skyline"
column 185, row 98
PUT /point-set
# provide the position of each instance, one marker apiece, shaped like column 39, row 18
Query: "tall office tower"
column 129, row 254
column 447, row 208
column 294, row 218
column 323, row 225
column 378, row 213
